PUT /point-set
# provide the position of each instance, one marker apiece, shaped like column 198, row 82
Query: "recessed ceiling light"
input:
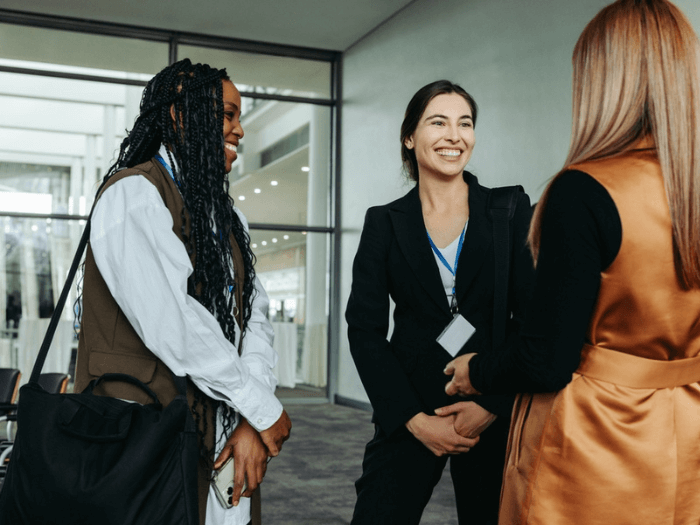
column 264, row 243
column 286, row 237
column 274, row 239
column 241, row 197
column 305, row 168
column 303, row 233
column 273, row 183
column 255, row 245
column 257, row 190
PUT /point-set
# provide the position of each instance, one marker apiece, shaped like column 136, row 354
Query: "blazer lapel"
column 478, row 239
column 409, row 228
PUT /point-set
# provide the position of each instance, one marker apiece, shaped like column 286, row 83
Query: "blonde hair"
column 636, row 75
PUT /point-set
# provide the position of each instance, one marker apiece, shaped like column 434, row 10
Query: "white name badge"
column 456, row 334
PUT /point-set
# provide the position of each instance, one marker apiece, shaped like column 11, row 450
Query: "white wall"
column 513, row 57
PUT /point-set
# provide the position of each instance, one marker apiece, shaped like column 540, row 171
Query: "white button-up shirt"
column 146, row 267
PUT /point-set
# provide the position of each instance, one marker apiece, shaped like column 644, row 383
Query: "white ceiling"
column 324, row 24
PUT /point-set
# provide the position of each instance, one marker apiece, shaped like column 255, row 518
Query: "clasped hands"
column 251, row 451
column 455, row 428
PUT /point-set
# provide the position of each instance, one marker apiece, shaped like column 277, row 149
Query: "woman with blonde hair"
column 611, row 345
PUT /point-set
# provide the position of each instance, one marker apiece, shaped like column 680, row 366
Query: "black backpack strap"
column 501, row 206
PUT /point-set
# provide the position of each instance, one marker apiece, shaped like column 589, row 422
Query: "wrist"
column 243, row 429
column 413, row 423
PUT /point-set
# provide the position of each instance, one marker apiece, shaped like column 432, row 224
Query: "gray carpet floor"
column 312, row 481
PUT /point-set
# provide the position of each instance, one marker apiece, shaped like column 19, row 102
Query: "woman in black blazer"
column 446, row 214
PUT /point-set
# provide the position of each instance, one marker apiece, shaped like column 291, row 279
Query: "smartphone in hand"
column 223, row 484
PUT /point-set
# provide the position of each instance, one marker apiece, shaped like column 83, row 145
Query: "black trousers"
column 399, row 474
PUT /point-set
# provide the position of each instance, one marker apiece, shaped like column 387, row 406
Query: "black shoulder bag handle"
column 502, row 202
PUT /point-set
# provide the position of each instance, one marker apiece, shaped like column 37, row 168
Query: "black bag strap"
column 53, row 324
column 502, row 202
column 180, row 382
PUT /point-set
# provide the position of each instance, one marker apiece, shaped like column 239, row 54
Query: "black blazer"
column 404, row 376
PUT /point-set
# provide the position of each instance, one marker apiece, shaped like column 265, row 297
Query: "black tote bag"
column 87, row 459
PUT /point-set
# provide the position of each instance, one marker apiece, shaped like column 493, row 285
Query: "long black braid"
column 182, row 107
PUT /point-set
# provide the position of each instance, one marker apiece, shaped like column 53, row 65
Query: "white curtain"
column 32, row 329
column 6, row 353
column 314, row 355
column 31, row 335
column 30, row 291
column 5, row 342
column 286, row 347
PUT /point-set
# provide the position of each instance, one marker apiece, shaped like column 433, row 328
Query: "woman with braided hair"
column 170, row 288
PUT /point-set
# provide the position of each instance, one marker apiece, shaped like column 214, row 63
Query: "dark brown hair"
column 414, row 111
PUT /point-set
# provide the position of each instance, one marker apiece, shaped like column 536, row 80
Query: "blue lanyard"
column 453, row 304
column 170, row 170
column 167, row 167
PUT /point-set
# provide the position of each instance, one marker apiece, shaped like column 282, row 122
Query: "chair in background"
column 54, row 382
column 9, row 385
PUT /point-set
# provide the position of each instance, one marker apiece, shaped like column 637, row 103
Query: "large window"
column 68, row 92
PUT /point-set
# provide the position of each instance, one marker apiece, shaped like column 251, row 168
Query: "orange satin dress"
column 620, row 444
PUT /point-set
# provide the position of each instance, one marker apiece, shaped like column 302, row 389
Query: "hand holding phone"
column 223, row 484
column 246, row 445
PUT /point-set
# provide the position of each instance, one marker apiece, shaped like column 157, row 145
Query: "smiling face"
column 233, row 132
column 444, row 137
